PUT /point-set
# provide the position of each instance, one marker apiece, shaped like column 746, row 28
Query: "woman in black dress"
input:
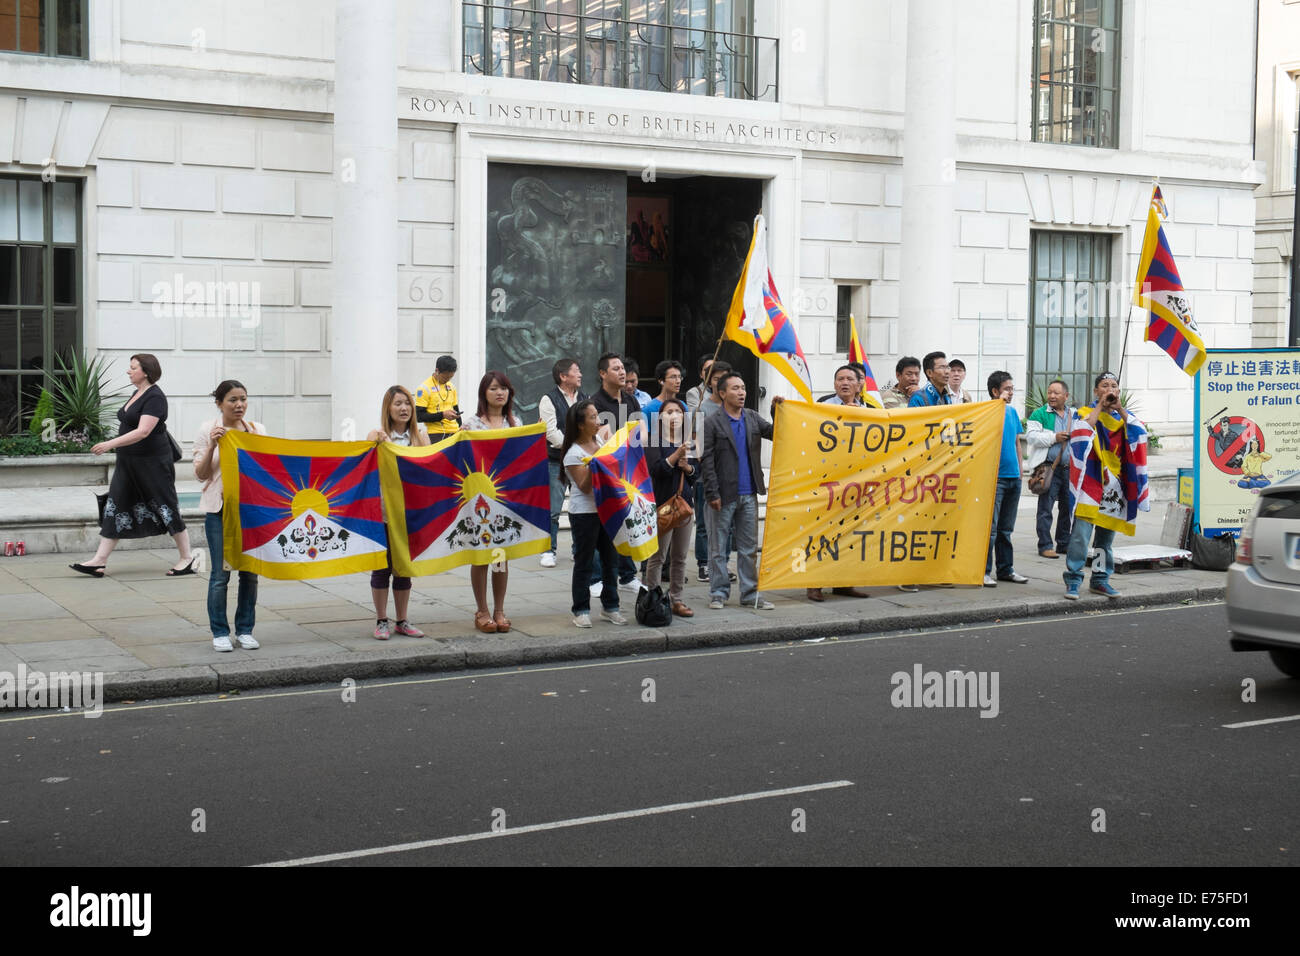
column 142, row 497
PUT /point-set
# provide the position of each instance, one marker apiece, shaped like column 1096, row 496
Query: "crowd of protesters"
column 702, row 444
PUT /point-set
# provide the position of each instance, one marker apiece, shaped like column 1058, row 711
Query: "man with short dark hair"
column 553, row 409
column 935, row 366
column 848, row 388
column 669, row 374
column 1007, row 497
column 435, row 400
column 631, row 381
column 707, row 404
column 908, row 374
column 615, row 406
column 733, row 479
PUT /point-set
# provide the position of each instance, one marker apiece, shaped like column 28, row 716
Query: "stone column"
column 363, row 323
column 926, row 307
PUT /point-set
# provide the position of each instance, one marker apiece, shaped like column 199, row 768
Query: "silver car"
column 1264, row 582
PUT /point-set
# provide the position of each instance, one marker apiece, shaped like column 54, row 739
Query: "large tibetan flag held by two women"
column 301, row 509
column 1159, row 290
column 1108, row 470
column 625, row 497
column 478, row 497
column 870, row 390
column 758, row 321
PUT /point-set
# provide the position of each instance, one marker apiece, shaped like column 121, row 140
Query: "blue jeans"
column 557, row 501
column 702, row 530
column 1005, row 503
column 589, row 536
column 1077, row 555
column 219, row 579
column 739, row 517
column 1058, row 492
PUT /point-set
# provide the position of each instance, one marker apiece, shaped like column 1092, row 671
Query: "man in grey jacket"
column 733, row 480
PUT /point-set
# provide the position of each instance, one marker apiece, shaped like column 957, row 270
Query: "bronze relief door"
column 557, row 273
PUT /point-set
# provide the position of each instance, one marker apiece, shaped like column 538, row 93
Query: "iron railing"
column 626, row 54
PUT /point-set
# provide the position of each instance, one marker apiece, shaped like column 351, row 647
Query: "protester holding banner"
column 1007, row 497
column 496, row 410
column 589, row 535
column 674, row 470
column 908, row 374
column 848, row 388
column 1046, row 438
column 232, row 404
column 935, row 366
column 396, row 425
column 553, row 409
column 1108, row 484
column 733, row 480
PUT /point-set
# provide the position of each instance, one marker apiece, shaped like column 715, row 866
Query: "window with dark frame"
column 1076, row 78
column 843, row 309
column 44, row 27
column 698, row 47
column 40, row 289
column 1069, row 323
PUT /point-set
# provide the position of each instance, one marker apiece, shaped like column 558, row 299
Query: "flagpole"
column 1155, row 184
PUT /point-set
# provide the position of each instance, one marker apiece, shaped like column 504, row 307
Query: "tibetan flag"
column 1108, row 470
column 1159, row 290
column 758, row 321
column 870, row 390
column 625, row 497
column 478, row 497
column 301, row 509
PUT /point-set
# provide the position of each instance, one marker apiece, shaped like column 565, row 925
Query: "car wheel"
column 1287, row 661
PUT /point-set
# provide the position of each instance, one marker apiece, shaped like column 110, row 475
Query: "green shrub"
column 82, row 402
column 44, row 410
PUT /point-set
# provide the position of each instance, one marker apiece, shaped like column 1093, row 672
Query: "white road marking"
column 560, row 824
column 638, row 659
column 1257, row 723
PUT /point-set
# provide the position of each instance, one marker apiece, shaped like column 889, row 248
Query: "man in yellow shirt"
column 435, row 400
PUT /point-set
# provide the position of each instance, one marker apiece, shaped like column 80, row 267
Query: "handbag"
column 177, row 454
column 1212, row 554
column 653, row 609
column 1040, row 479
column 675, row 512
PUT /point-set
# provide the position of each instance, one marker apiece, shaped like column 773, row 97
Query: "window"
column 850, row 306
column 49, row 27
column 1076, row 72
column 698, row 47
column 40, row 289
column 1295, row 130
column 1069, row 328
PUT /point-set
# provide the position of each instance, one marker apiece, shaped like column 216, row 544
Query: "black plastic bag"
column 1212, row 554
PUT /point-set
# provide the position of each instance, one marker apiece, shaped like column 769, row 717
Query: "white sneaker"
column 222, row 644
column 613, row 617
column 633, row 585
column 990, row 581
column 762, row 605
column 248, row 642
column 548, row 559
column 582, row 620
column 715, row 605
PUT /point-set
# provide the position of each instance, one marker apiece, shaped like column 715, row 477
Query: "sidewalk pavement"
column 149, row 634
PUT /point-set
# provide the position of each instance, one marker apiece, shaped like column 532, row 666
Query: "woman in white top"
column 397, row 425
column 232, row 402
column 496, row 409
column 589, row 535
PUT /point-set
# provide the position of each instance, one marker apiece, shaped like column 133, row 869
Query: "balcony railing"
column 626, row 54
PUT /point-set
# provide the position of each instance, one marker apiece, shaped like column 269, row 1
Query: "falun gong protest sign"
column 1248, row 423
column 867, row 497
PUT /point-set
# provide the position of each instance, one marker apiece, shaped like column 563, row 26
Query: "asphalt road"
column 1121, row 713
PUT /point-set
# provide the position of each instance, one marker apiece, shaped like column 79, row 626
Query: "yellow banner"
column 867, row 497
